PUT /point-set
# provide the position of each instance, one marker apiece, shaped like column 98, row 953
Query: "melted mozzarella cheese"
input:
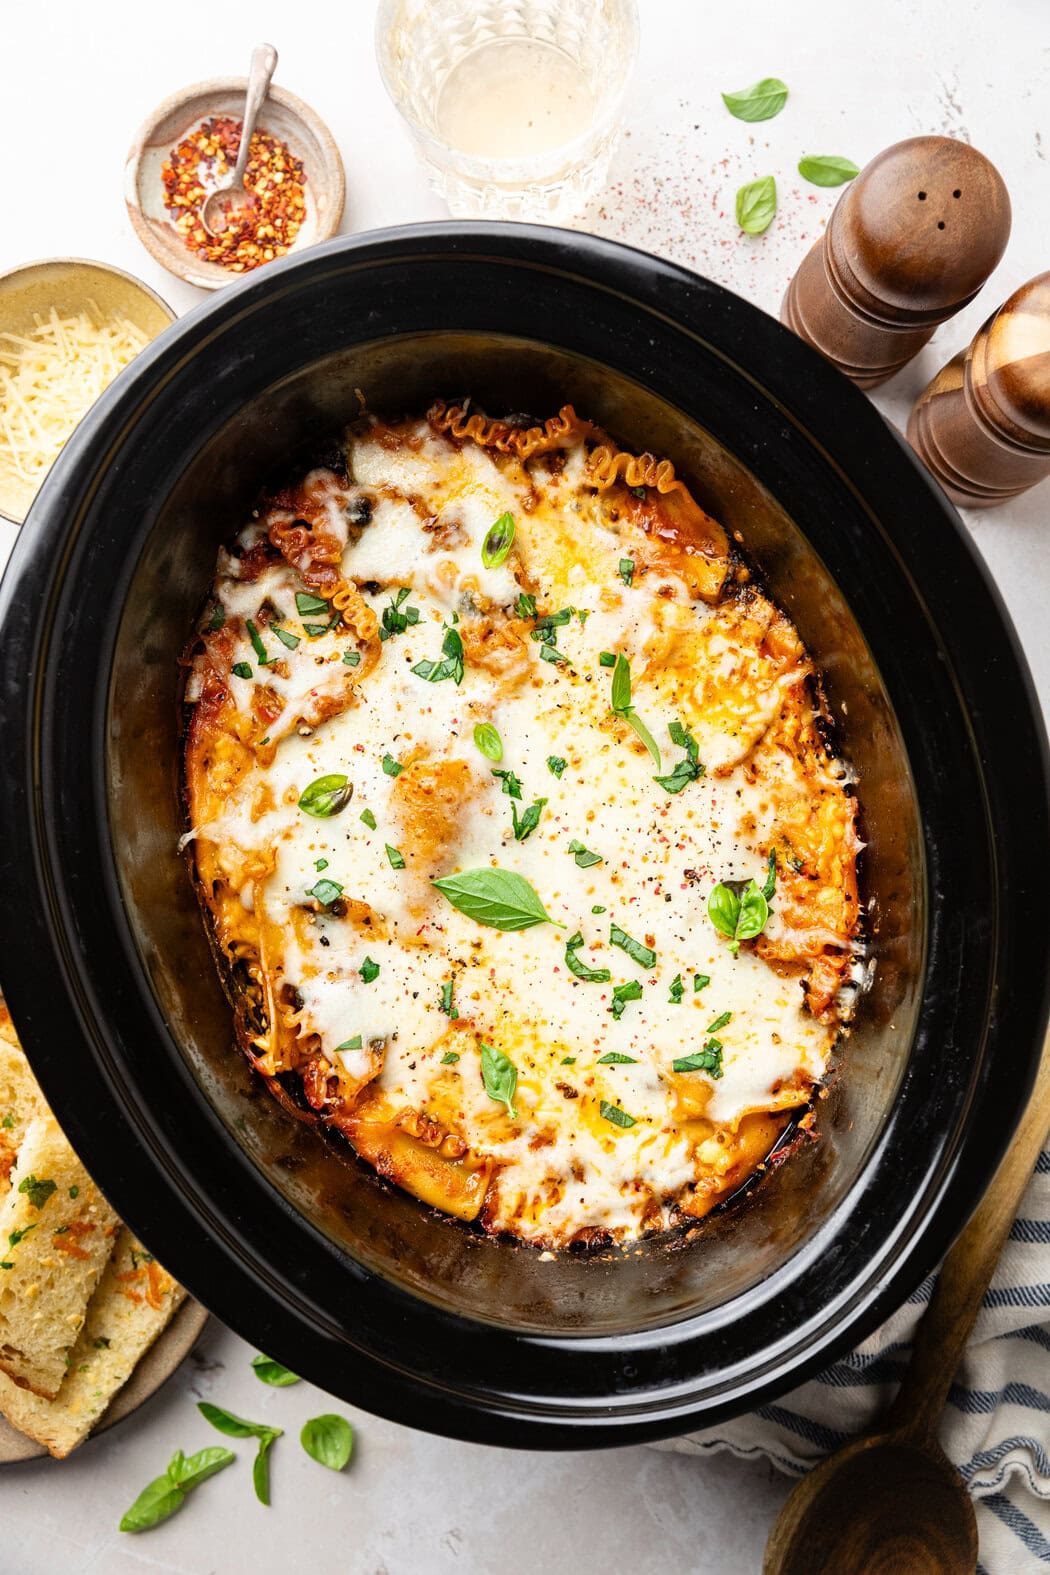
column 562, row 1164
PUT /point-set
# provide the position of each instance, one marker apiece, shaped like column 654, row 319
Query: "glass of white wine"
column 515, row 106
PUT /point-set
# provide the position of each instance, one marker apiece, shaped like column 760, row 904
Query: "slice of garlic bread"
column 56, row 1235
column 134, row 1301
column 20, row 1099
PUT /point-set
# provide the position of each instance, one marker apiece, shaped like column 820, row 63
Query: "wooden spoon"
column 893, row 1502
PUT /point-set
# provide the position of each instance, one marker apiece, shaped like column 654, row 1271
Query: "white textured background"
column 76, row 81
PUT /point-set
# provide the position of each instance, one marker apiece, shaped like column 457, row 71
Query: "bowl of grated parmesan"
column 67, row 328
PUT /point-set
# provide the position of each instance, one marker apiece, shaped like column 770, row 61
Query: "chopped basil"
column 396, row 858
column 687, row 770
column 568, row 1060
column 257, row 645
column 769, row 885
column 614, row 1058
column 368, row 818
column 526, row 823
column 452, row 664
column 574, row 965
column 644, row 956
column 613, row 1113
column 500, row 1076
column 74, row 1191
column 708, row 1059
column 315, row 629
column 352, row 658
column 350, row 1044
column 550, row 653
column 525, row 606
column 639, row 492
column 511, row 783
column 241, row 670
column 8, row 1122
column 329, row 1440
column 326, row 796
column 622, row 993
column 547, row 626
column 273, row 1373
column 487, row 739
column 760, row 102
column 499, row 538
column 320, row 864
column 627, row 570
column 450, row 1058
column 15, row 1236
column 598, row 908
column 391, row 766
column 217, row 619
column 394, row 621
column 369, row 970
column 677, row 990
column 309, row 606
column 556, row 765
column 325, row 891
column 36, row 1189
column 719, row 1022
column 585, row 859
column 446, row 999
column 620, row 702
column 606, row 659
column 290, row 640
column 499, row 898
column 701, row 981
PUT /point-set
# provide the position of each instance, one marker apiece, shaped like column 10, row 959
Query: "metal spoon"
column 893, row 1501
column 231, row 193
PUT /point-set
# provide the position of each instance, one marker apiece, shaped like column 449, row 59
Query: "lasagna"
column 530, row 865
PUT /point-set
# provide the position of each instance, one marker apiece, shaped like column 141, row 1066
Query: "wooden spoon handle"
column 965, row 1273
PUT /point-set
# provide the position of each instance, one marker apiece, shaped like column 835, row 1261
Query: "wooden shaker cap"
column 910, row 241
column 982, row 426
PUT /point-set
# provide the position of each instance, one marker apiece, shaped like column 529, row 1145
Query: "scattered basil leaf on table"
column 761, row 101
column 498, row 541
column 238, row 1427
column 756, row 204
column 826, row 169
column 261, row 1466
column 499, row 1075
column 329, row 1440
column 326, row 796
column 487, row 739
column 499, row 898
column 264, row 1367
column 164, row 1495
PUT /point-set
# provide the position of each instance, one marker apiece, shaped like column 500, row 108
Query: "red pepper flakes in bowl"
column 256, row 232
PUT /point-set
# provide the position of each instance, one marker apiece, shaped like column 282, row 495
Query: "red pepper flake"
column 257, row 231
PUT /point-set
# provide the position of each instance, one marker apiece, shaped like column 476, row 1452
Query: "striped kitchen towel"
column 997, row 1424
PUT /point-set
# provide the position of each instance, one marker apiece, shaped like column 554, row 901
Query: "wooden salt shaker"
column 910, row 241
column 983, row 424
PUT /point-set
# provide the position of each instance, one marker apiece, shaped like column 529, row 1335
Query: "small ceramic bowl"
column 283, row 115
column 70, row 285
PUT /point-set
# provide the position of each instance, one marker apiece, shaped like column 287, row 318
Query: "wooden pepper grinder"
column 983, row 424
column 910, row 241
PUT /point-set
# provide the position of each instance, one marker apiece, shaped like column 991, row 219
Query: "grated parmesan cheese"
column 49, row 378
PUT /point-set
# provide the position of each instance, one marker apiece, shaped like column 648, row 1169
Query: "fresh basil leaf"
column 606, row 659
column 290, row 640
column 450, row 667
column 217, row 619
column 393, row 620
column 525, row 606
column 241, row 670
column 347, row 1044
column 622, row 993
column 308, row 606
column 627, row 570
column 396, row 857
column 314, row 630
column 369, row 971
column 261, row 1465
column 598, row 908
column 327, row 796
column 632, row 719
column 708, row 1059
column 36, row 1189
column 827, row 169
column 500, row 1076
column 265, row 1368
column 499, row 898
column 257, row 645
column 581, row 970
column 723, row 909
column 325, row 891
column 754, row 911
column 526, row 824
column 320, row 864
column 450, row 1058
column 446, row 1000
column 352, row 658
column 614, row 1058
column 498, row 541
column 701, row 981
column 756, row 205
column 719, row 1022
column 329, row 1440
column 760, row 102
column 391, row 766
column 644, row 956
column 511, row 783
column 550, row 653
column 192, row 1470
column 770, row 884
column 585, row 859
column 677, row 990
column 556, row 765
column 568, row 1060
column 687, row 770
column 621, row 685
column 487, row 739
column 157, row 1501
column 368, row 818
column 613, row 1113
column 230, row 1424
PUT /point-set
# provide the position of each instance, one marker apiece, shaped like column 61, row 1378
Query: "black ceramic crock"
column 103, row 954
